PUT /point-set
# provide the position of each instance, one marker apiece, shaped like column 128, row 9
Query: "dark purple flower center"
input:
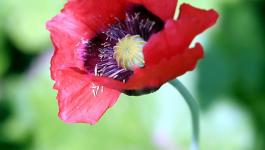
column 102, row 56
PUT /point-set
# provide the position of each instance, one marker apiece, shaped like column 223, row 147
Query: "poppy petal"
column 66, row 33
column 81, row 101
column 96, row 14
column 168, row 7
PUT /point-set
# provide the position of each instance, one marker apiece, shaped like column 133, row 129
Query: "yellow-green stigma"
column 128, row 52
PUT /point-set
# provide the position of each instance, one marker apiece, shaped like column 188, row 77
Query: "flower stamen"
column 118, row 50
column 128, row 52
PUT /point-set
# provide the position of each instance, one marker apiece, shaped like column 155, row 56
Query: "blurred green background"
column 229, row 83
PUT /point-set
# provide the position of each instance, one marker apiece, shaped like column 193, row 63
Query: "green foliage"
column 24, row 22
column 234, row 66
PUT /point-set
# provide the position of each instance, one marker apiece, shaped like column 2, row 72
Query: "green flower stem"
column 195, row 110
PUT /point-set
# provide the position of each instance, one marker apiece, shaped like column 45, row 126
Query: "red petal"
column 66, row 33
column 77, row 101
column 165, row 9
column 177, row 35
column 96, row 14
column 167, row 53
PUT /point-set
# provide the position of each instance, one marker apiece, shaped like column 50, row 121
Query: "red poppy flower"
column 107, row 47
